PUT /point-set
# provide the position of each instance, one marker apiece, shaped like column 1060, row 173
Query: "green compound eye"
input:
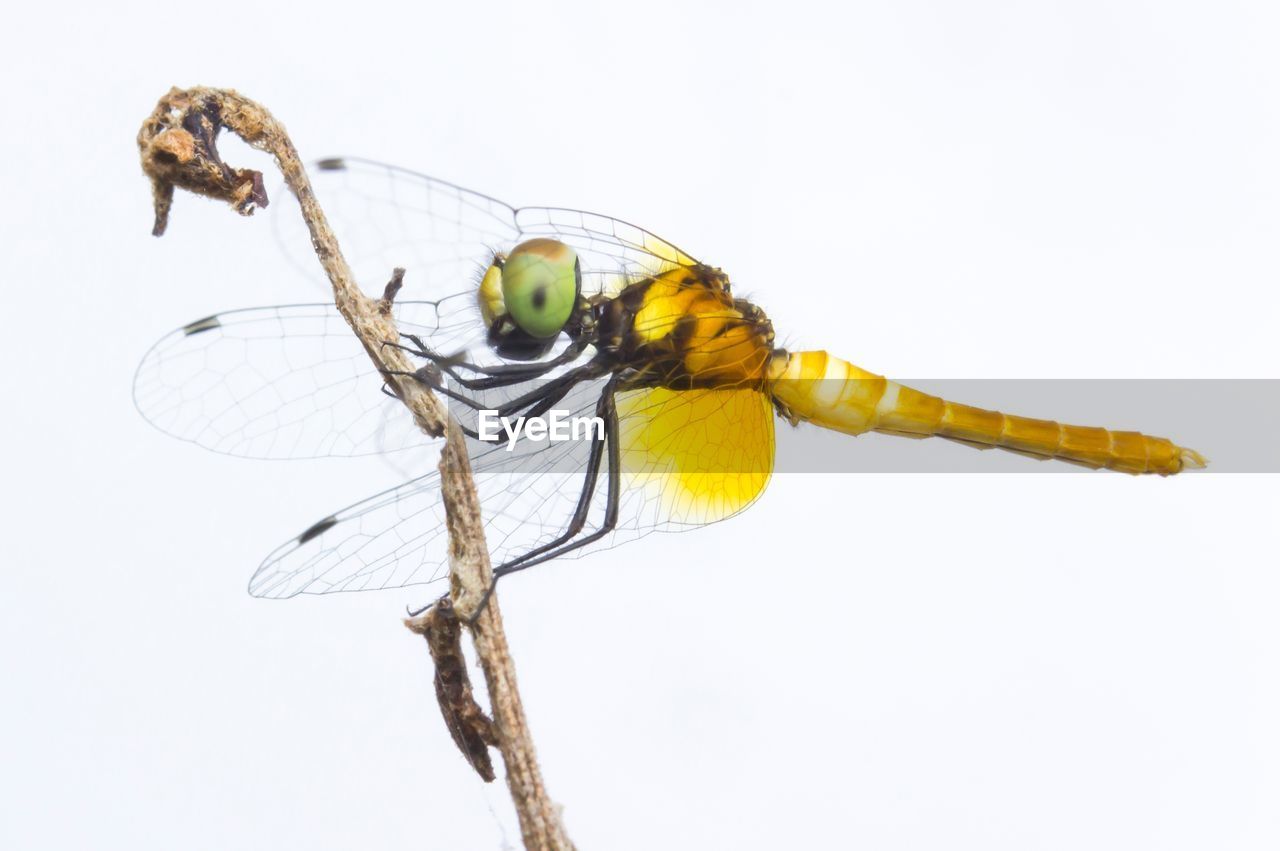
column 540, row 283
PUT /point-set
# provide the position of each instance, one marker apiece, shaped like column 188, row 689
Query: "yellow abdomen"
column 835, row 394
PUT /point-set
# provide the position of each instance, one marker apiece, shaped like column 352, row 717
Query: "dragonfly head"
column 528, row 296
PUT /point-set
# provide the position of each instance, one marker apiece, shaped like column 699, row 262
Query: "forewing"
column 287, row 382
column 612, row 252
column 385, row 217
column 445, row 235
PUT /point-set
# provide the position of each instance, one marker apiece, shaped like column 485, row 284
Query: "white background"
column 952, row 190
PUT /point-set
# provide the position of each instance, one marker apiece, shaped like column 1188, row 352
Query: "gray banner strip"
column 1234, row 423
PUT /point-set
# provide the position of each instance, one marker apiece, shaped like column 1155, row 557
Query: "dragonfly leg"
column 563, row 544
column 607, row 409
column 502, row 375
column 422, row 350
column 583, row 373
column 413, row 613
column 536, row 410
column 540, row 407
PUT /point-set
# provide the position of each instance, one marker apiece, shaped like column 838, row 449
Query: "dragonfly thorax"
column 683, row 328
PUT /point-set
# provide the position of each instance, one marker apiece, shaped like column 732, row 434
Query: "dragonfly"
column 530, row 312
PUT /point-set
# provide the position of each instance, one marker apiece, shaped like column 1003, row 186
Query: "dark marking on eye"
column 577, row 277
column 206, row 324
column 318, row 529
column 539, row 298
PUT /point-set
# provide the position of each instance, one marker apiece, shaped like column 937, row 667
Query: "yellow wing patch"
column 665, row 251
column 706, row 454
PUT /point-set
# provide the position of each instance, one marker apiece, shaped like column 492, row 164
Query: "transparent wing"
column 287, row 382
column 612, row 252
column 292, row 382
column 386, row 217
column 399, row 537
column 688, row 458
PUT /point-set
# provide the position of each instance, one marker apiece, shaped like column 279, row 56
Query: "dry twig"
column 471, row 728
column 178, row 147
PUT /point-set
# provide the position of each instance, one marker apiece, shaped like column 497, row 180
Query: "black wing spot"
column 332, row 164
column 206, row 324
column 318, row 529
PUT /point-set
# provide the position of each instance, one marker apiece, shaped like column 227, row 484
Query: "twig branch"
column 178, row 147
column 471, row 576
column 471, row 728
